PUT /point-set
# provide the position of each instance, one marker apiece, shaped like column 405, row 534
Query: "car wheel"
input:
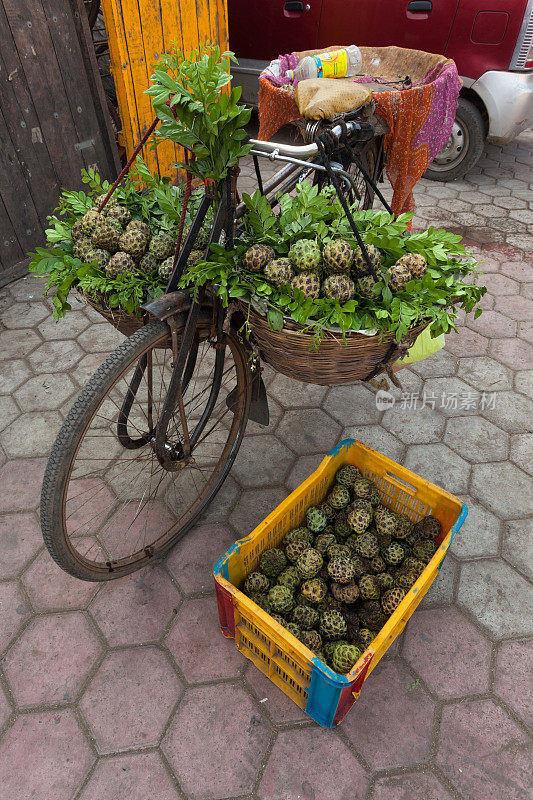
column 464, row 146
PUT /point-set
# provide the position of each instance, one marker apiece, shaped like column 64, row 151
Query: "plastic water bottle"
column 341, row 63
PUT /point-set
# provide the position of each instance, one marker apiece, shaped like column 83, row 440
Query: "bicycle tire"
column 70, row 438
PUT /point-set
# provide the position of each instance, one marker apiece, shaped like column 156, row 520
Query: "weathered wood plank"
column 28, row 26
column 23, row 125
column 10, row 249
column 94, row 82
column 18, row 202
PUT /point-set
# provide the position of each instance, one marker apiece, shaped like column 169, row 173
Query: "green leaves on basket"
column 311, row 214
column 189, row 97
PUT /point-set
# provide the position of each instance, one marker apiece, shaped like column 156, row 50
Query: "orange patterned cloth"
column 419, row 120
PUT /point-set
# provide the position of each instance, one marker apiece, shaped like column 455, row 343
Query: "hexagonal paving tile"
column 262, row 461
column 442, row 588
column 291, row 394
column 192, row 558
column 378, row 438
column 493, row 593
column 8, row 411
column 24, row 315
column 390, row 724
column 516, row 307
column 14, row 373
column 440, row 365
column 44, row 392
column 21, row 538
column 485, row 374
column 275, row 414
column 514, row 353
column 273, row 701
column 524, row 382
column 480, row 534
column 309, row 431
column 252, row 507
column 522, row 451
column 136, row 608
column 476, row 439
column 31, row 434
column 68, row 328
column 198, row 646
column 138, row 777
column 518, row 545
column 49, row 662
column 448, row 652
column 101, row 338
column 329, row 770
column 30, row 287
column 216, row 742
column 525, row 331
column 351, row 405
column 512, row 677
column 467, row 343
column 5, row 709
column 414, row 425
column 486, row 484
column 59, row 755
column 21, row 484
column 440, row 465
column 52, row 589
column 500, row 285
column 452, row 397
column 423, row 785
column 130, row 699
column 222, row 505
column 304, row 467
column 85, row 369
column 510, row 411
column 493, row 325
column 483, row 752
column 13, row 612
column 55, row 357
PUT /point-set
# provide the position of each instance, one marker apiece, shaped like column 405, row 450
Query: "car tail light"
column 523, row 54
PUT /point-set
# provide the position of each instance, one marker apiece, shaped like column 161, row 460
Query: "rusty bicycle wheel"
column 108, row 506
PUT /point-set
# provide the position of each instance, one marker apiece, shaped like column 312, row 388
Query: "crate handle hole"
column 406, row 485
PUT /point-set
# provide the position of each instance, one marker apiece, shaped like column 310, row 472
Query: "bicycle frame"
column 228, row 211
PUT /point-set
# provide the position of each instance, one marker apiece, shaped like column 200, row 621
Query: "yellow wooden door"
column 139, row 32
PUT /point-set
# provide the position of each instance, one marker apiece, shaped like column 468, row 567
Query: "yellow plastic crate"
column 324, row 694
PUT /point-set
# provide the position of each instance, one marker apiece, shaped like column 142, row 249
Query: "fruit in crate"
column 148, row 263
column 106, row 236
column 100, row 257
column 334, row 582
column 134, row 242
column 82, row 247
column 337, row 256
column 89, row 221
column 338, row 287
column 305, row 256
column 308, row 283
column 365, row 286
column 257, row 257
column 279, row 271
column 120, row 213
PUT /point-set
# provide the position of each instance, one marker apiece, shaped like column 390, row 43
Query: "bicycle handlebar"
column 272, row 149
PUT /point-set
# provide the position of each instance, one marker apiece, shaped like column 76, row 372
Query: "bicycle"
column 155, row 431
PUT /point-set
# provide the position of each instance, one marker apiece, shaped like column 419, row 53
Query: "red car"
column 490, row 41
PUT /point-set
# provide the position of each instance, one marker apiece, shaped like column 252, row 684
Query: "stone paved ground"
column 128, row 690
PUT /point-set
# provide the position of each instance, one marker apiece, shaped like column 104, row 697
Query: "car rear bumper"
column 508, row 98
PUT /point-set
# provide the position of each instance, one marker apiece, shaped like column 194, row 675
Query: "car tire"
column 464, row 147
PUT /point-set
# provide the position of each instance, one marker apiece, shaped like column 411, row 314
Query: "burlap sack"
column 322, row 98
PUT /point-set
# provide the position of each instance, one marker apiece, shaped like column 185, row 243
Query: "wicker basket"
column 336, row 361
column 123, row 322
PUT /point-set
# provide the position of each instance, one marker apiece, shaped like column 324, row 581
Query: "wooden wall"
column 139, row 31
column 53, row 116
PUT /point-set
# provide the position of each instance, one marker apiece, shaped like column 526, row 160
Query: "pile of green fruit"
column 334, row 582
column 117, row 242
column 336, row 270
